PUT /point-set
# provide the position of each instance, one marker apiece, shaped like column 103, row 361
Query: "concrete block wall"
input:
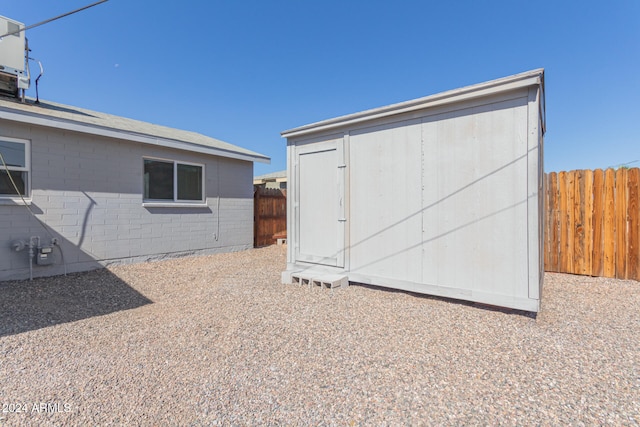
column 88, row 191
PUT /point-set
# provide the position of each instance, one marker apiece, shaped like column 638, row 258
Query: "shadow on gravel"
column 29, row 305
column 477, row 305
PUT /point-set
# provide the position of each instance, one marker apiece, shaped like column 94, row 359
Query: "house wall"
column 88, row 191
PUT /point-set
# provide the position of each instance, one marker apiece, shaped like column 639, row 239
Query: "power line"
column 623, row 164
column 51, row 19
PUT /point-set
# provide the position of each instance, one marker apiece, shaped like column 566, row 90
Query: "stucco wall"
column 88, row 190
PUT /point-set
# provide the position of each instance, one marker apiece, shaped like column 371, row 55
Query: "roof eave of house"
column 529, row 78
column 93, row 129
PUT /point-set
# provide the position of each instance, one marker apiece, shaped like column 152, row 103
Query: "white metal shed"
column 441, row 195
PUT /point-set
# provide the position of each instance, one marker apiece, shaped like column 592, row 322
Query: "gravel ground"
column 217, row 340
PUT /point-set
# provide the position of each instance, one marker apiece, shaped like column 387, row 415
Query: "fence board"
column 593, row 223
column 562, row 203
column 578, row 222
column 547, row 222
column 633, row 225
column 562, row 206
column 552, row 225
column 555, row 223
column 569, row 214
column 609, row 225
column 597, row 224
column 621, row 223
column 588, row 222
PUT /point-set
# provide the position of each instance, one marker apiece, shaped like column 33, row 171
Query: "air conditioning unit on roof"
column 14, row 74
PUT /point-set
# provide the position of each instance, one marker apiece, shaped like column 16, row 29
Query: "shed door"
column 320, row 204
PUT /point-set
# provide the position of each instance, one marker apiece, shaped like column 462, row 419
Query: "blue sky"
column 244, row 71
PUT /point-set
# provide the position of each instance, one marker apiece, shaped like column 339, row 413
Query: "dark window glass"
column 189, row 182
column 13, row 154
column 158, row 180
column 7, row 187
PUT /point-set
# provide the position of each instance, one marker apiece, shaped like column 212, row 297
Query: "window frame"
column 175, row 202
column 27, row 169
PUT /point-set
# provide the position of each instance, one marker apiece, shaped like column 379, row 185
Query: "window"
column 171, row 181
column 14, row 172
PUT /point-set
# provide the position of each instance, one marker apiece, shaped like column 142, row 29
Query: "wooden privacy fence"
column 593, row 223
column 269, row 215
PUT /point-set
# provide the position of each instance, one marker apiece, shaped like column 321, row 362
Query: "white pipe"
column 218, row 202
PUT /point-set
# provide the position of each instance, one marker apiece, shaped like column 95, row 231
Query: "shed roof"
column 528, row 78
column 66, row 117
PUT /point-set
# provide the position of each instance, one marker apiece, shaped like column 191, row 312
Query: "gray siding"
column 441, row 195
column 88, row 190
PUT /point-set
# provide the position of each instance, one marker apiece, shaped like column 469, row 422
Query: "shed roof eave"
column 529, row 78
